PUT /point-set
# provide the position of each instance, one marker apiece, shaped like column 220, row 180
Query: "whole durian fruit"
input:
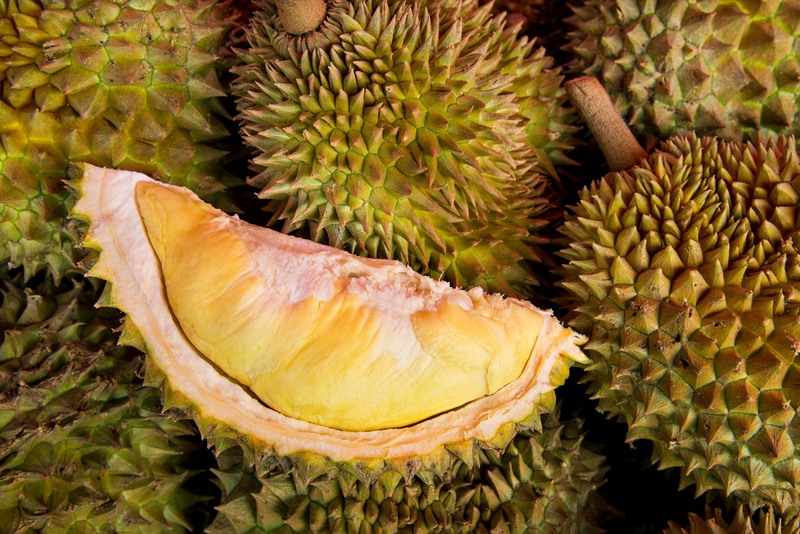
column 117, row 83
column 724, row 68
column 544, row 481
column 409, row 130
column 83, row 444
column 683, row 269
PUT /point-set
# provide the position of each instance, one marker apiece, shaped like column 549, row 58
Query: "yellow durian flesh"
column 323, row 336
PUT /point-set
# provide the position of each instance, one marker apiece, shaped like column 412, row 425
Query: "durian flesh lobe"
column 287, row 331
column 532, row 350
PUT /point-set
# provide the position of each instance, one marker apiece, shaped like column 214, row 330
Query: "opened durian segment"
column 128, row 261
column 324, row 336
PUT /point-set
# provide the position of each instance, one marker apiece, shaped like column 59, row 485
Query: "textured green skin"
column 109, row 82
column 544, row 482
column 684, row 272
column 389, row 135
column 762, row 522
column 58, row 355
column 83, row 444
column 727, row 69
column 125, row 468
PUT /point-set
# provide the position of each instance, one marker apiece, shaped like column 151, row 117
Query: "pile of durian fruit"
column 399, row 266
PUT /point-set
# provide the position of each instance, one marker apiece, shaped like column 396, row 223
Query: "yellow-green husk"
column 683, row 271
column 420, row 131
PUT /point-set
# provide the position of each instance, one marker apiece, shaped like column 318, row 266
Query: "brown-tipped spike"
column 300, row 16
column 618, row 144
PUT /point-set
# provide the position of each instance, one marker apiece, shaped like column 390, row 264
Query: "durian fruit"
column 307, row 355
column 83, row 444
column 543, row 482
column 727, row 69
column 683, row 270
column 416, row 131
column 116, row 83
column 763, row 522
column 125, row 468
column 58, row 355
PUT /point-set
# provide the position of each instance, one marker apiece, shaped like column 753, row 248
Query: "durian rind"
column 116, row 83
column 712, row 68
column 415, row 131
column 543, row 481
column 227, row 414
column 83, row 445
column 684, row 272
column 122, row 467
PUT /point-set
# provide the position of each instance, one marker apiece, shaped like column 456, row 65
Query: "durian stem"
column 300, row 16
column 619, row 146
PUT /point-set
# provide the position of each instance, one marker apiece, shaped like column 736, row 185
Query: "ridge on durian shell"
column 321, row 450
column 418, row 132
column 684, row 271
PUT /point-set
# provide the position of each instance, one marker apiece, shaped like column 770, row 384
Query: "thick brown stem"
column 300, row 16
column 619, row 146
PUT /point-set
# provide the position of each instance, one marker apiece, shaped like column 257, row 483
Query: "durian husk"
column 58, row 354
column 684, row 273
column 83, row 443
column 228, row 415
column 110, row 82
column 544, row 481
column 418, row 131
column 123, row 468
column 725, row 69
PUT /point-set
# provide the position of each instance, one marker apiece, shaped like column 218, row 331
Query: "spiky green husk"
column 684, row 273
column 726, row 69
column 125, row 468
column 413, row 131
column 111, row 82
column 83, row 445
column 543, row 482
column 58, row 355
column 762, row 522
